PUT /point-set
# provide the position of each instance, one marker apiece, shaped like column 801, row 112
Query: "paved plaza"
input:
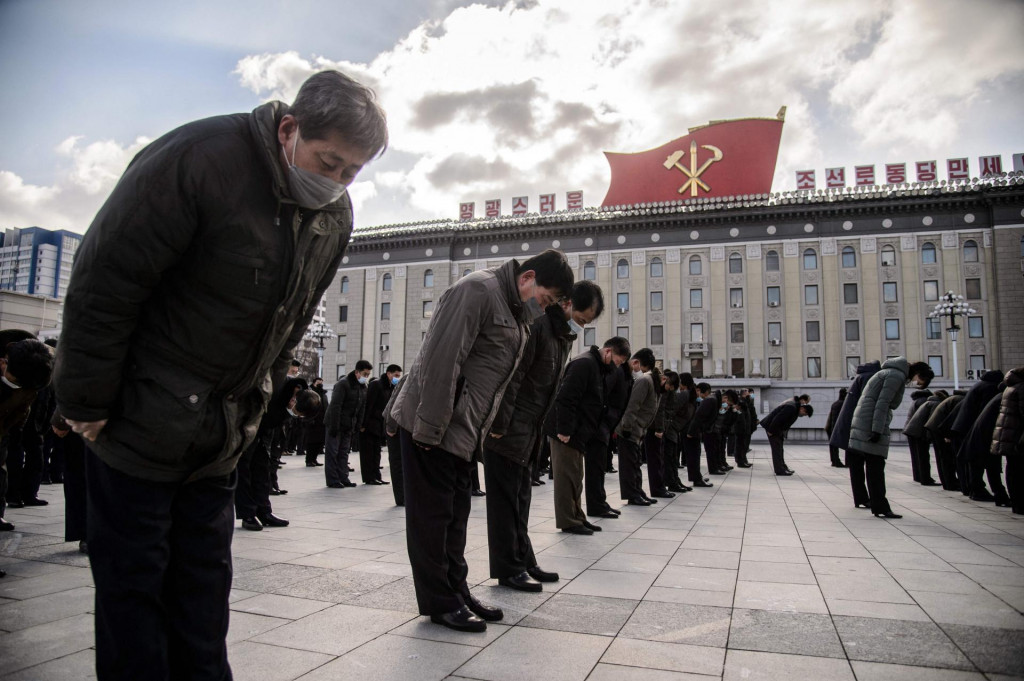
column 757, row 578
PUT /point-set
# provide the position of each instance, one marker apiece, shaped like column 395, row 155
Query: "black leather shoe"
column 591, row 526
column 252, row 524
column 664, row 495
column 650, row 500
column 612, row 470
column 930, row 483
column 750, row 465
column 311, row 465
column 578, row 529
column 604, row 514
column 887, row 514
column 1003, row 501
column 703, row 484
column 521, row 582
column 348, row 483
column 866, row 504
column 638, row 501
column 271, row 520
column 276, row 492
column 460, row 620
column 542, row 575
column 6, row 526
column 16, row 503
column 984, row 495
column 536, row 483
column 784, row 473
column 351, row 470
column 335, row 485
column 44, row 502
column 485, row 612
column 718, row 472
column 726, row 468
column 616, row 511
column 375, row 482
column 479, row 493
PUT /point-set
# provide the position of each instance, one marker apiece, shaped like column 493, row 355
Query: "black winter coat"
column 919, row 397
column 1008, row 438
column 833, row 416
column 348, row 400
column 942, row 417
column 704, row 417
column 616, row 397
column 976, row 400
column 978, row 443
column 674, row 414
column 781, row 419
column 841, row 433
column 915, row 425
column 579, row 402
column 378, row 392
column 314, row 425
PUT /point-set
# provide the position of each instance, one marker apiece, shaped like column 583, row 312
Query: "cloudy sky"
column 500, row 99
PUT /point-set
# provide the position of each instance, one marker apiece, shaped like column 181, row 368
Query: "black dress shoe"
column 479, row 493
column 485, row 612
column 542, row 575
column 6, row 526
column 726, row 468
column 930, row 483
column 616, row 511
column 521, row 582
column 578, row 529
column 252, row 524
column 638, row 501
column 460, row 620
column 16, row 503
column 664, row 495
column 984, row 495
column 335, row 485
column 784, row 473
column 650, row 500
column 612, row 470
column 1003, row 501
column 44, row 502
column 591, row 526
column 604, row 514
column 311, row 465
column 887, row 514
column 702, row 483
column 351, row 470
column 348, row 483
column 375, row 482
column 866, row 504
column 271, row 520
column 718, row 471
column 536, row 483
column 746, row 465
column 278, row 492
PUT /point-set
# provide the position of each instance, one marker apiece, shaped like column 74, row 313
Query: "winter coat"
column 476, row 338
column 531, row 391
column 725, row 421
column 919, row 397
column 978, row 442
column 882, row 395
column 378, row 393
column 315, row 430
column 750, row 409
column 348, row 402
column 579, row 402
column 674, row 413
column 741, row 421
column 833, row 416
column 616, row 395
column 915, row 425
column 781, row 419
column 841, row 433
column 196, row 280
column 936, row 425
column 975, row 400
column 1008, row 438
column 704, row 417
column 641, row 409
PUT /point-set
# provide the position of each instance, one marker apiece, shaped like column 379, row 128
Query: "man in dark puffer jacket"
column 1008, row 437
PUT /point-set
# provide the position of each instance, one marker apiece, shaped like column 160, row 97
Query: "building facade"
column 783, row 292
column 37, row 261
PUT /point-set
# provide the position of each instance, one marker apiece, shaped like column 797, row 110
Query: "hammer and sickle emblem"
column 693, row 172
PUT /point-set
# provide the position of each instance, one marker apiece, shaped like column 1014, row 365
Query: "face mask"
column 395, row 380
column 309, row 189
column 699, row 400
column 722, row 410
column 533, row 309
column 576, row 328
column 637, row 375
column 292, row 412
column 12, row 386
column 363, row 380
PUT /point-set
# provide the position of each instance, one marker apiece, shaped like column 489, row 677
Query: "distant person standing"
column 314, row 436
column 830, row 426
column 377, row 396
column 640, row 412
column 344, row 418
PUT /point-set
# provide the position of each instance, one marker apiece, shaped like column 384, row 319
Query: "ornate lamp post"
column 952, row 306
column 319, row 331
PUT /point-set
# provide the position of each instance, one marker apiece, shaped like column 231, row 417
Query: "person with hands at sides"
column 639, row 415
column 776, row 426
column 344, row 417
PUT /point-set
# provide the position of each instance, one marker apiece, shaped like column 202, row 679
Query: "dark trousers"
column 963, row 466
column 31, row 445
column 53, row 461
column 369, row 457
column 4, row 477
column 738, row 446
column 868, row 468
column 670, row 467
column 858, row 483
column 920, row 458
column 712, row 451
column 395, row 464
column 73, row 450
column 336, row 457
column 777, row 444
column 945, row 456
column 313, row 450
column 252, row 496
column 161, row 560
column 991, row 467
column 833, row 453
column 437, row 503
column 630, row 475
column 1015, row 482
column 595, row 458
column 509, row 493
column 915, row 462
column 654, row 446
column 691, row 452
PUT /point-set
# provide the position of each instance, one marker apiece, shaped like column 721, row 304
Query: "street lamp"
column 952, row 306
column 319, row 330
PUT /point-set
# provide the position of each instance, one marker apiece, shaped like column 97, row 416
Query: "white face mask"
column 12, row 386
column 309, row 189
column 363, row 379
column 637, row 375
column 576, row 328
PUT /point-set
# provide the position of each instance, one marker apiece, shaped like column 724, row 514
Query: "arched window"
column 970, row 251
column 810, row 259
column 428, row 279
column 589, row 270
column 849, row 257
column 467, row 272
column 928, row 253
column 771, row 261
column 888, row 256
column 695, row 265
column 344, row 284
column 656, row 268
column 622, row 269
column 735, row 264
column 385, row 282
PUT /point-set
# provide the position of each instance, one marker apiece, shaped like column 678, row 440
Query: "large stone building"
column 783, row 292
column 37, row 261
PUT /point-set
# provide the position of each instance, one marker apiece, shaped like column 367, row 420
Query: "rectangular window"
column 622, row 332
column 340, row 371
column 813, row 332
column 850, row 294
column 892, row 329
column 975, row 329
column 696, row 333
column 343, row 313
column 811, row 294
column 657, row 335
column 697, row 368
column 889, row 294
column 342, row 344
column 814, row 367
column 428, row 308
column 696, row 298
column 385, row 310
column 656, row 300
column 736, row 333
column 774, row 296
column 590, row 337
column 774, row 367
column 738, row 367
column 774, row 332
column 935, row 362
column 851, row 366
column 976, row 363
column 852, row 330
column 622, row 301
column 385, row 341
column 974, row 289
column 933, row 329
column 931, row 290
column 736, row 297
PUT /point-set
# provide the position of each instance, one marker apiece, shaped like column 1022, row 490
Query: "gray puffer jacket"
column 450, row 396
column 882, row 394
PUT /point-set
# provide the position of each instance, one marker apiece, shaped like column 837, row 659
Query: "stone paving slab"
column 755, row 578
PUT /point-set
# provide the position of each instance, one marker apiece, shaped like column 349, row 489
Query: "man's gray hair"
column 330, row 101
